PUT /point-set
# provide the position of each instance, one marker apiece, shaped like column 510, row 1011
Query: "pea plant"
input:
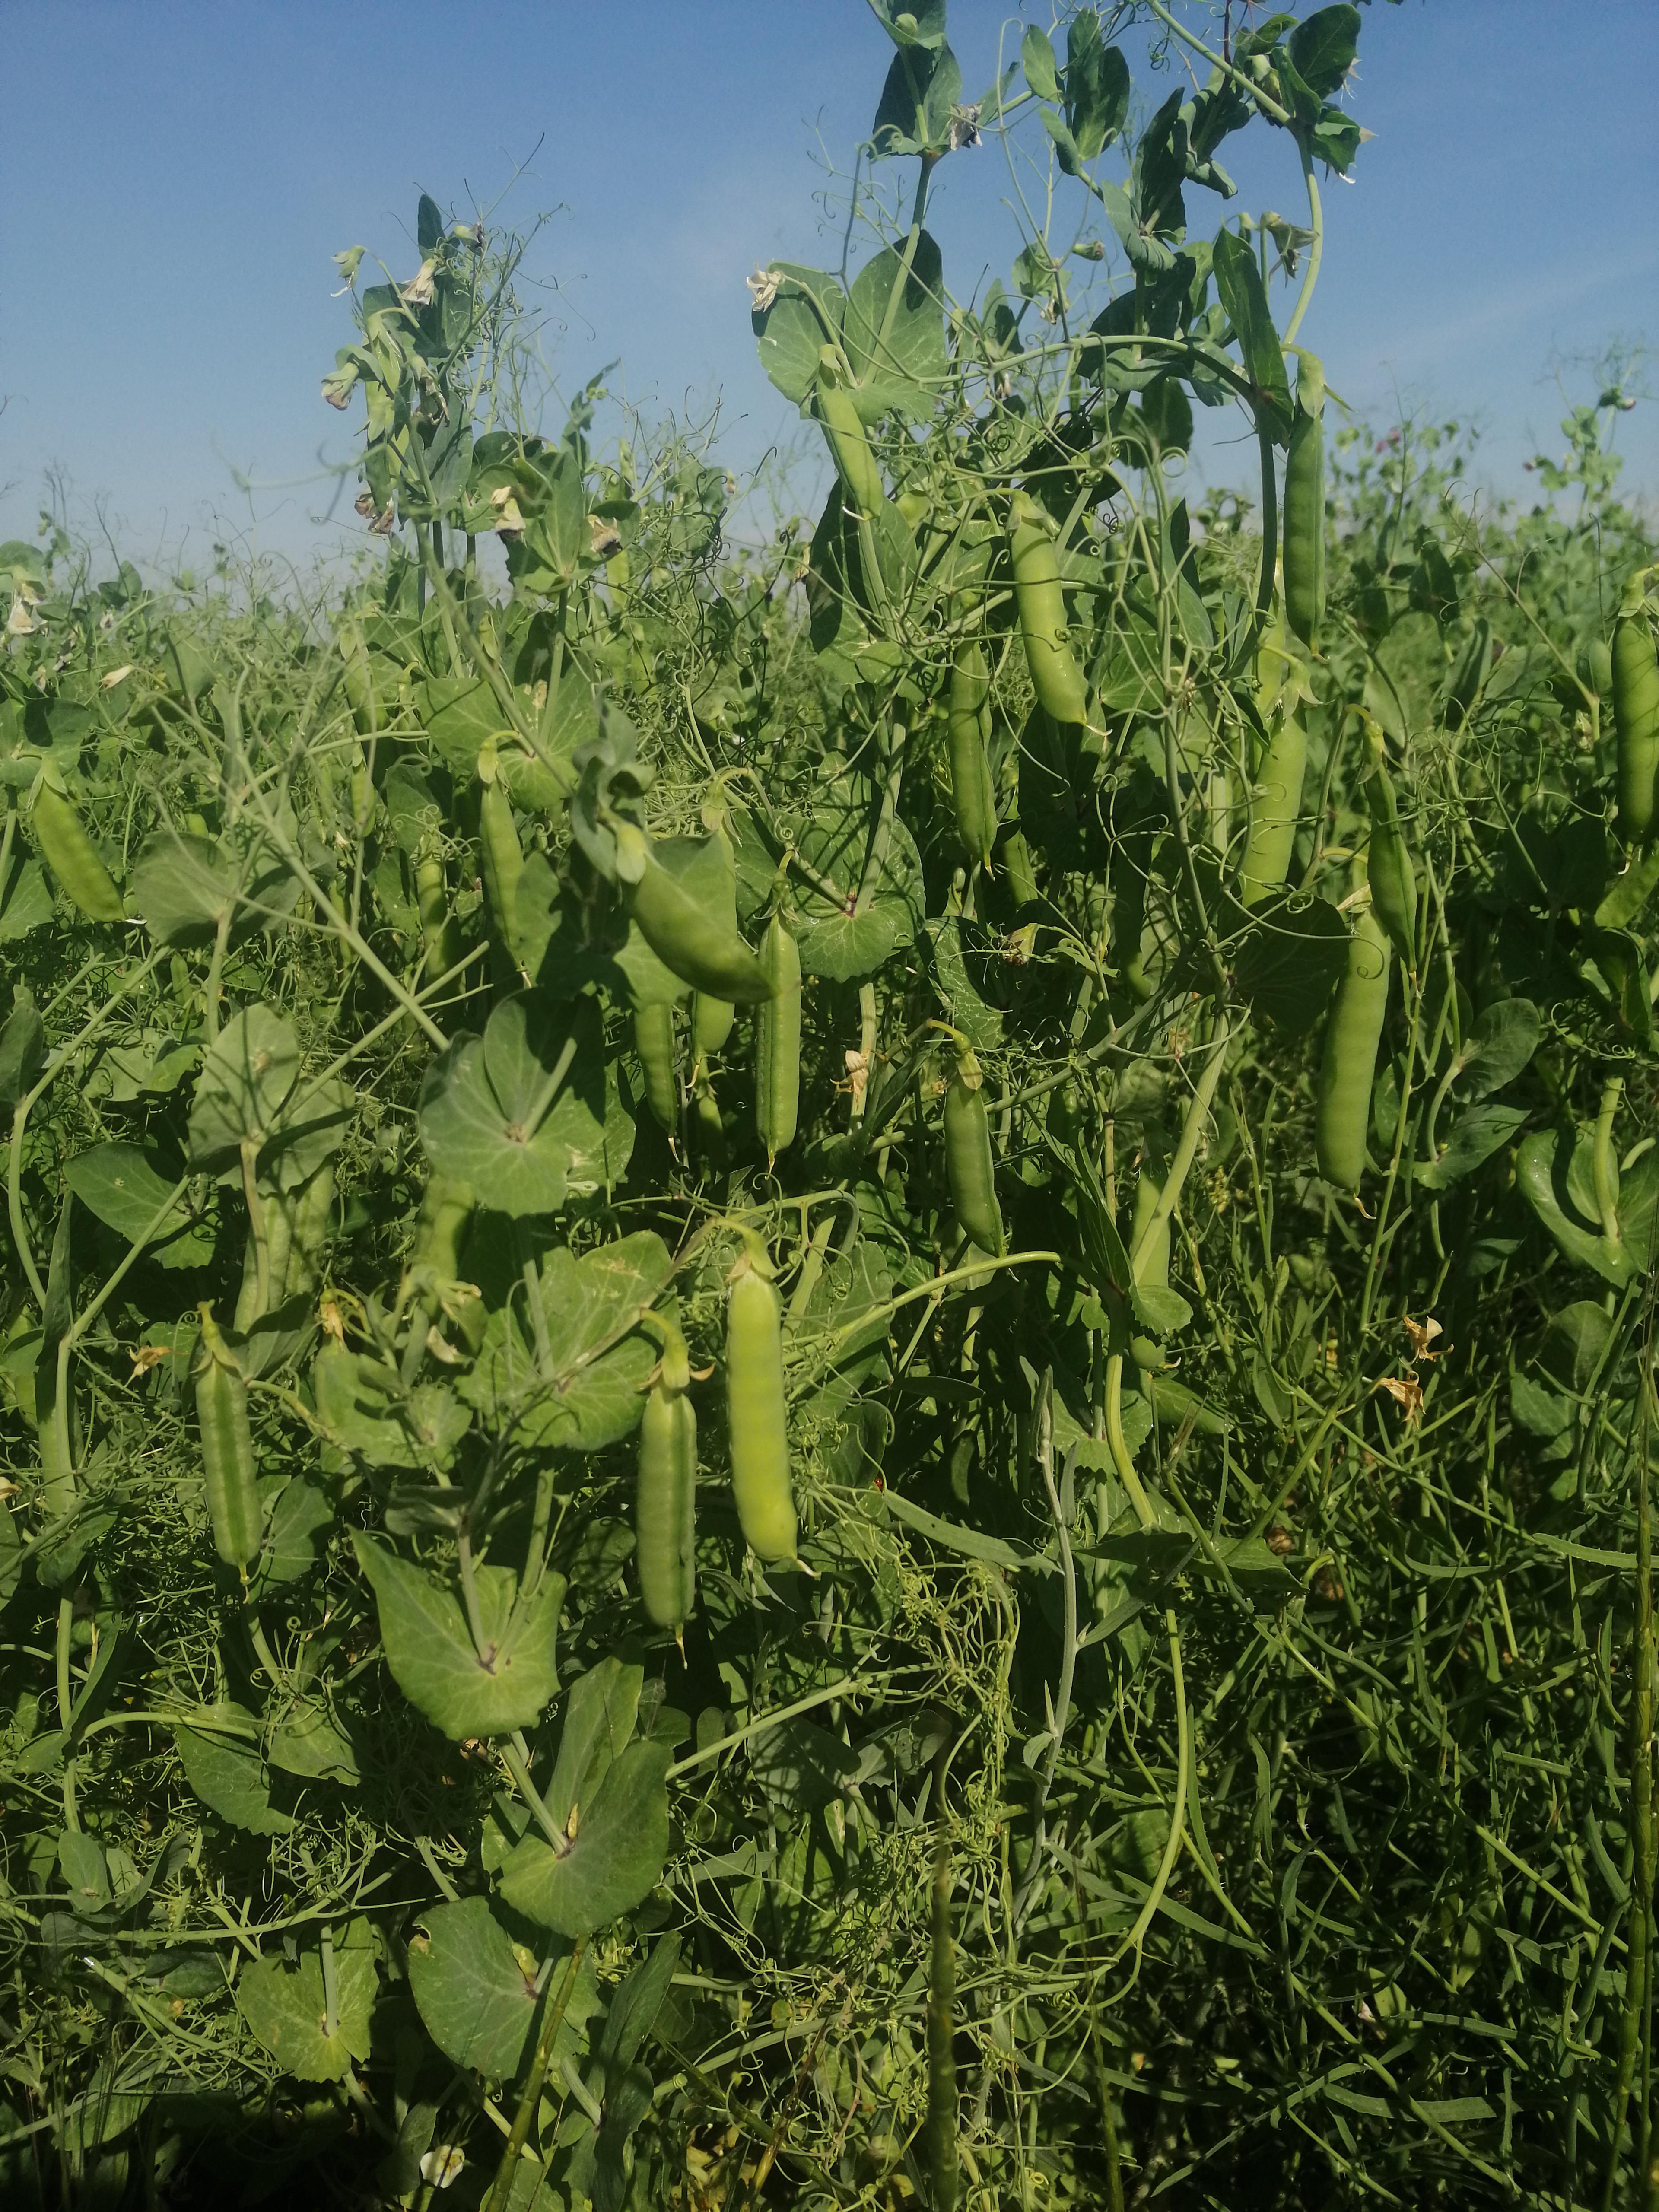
column 828, row 1368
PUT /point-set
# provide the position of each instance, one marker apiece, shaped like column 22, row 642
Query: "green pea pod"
column 697, row 946
column 1041, row 603
column 665, row 1501
column 1343, row 1101
column 1469, row 674
column 758, row 1415
column 860, row 478
column 711, row 1024
column 439, row 927
column 503, row 864
column 777, row 1043
column 653, row 1041
column 970, row 1162
column 1394, row 880
column 1636, row 712
column 942, row 2116
column 228, row 1466
column 1017, row 865
column 70, row 855
column 973, row 794
column 1152, row 1271
column 1275, row 808
column 1305, row 506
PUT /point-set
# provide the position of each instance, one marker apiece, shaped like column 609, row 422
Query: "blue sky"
column 177, row 176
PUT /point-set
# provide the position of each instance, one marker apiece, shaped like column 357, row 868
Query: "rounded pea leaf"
column 1505, row 1039
column 127, row 1187
column 245, row 1077
column 287, row 2008
column 467, row 1689
column 231, row 1780
column 613, row 1859
column 522, row 1111
column 474, row 1988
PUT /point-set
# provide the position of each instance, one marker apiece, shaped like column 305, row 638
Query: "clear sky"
column 177, row 173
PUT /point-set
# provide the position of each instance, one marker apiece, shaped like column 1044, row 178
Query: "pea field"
column 827, row 1369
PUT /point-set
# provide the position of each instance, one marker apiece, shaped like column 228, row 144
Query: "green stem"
column 501, row 2189
column 1317, row 224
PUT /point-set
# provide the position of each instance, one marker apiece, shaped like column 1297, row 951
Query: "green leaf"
column 1540, row 1175
column 303, row 1510
column 1471, row 1139
column 125, row 1187
column 476, row 1989
column 1504, row 1040
column 614, row 1859
column 307, row 1739
column 246, row 1075
column 979, row 1021
column 1098, row 86
column 366, row 1409
column 1629, row 891
column 461, row 712
column 86, row 1875
column 286, row 2008
column 1323, row 48
column 1037, row 58
column 23, row 1047
column 29, row 903
column 588, row 1393
column 901, row 372
column 1238, row 282
column 598, row 1720
column 1540, row 1412
column 841, row 947
column 492, row 1114
column 463, row 1690
column 231, row 1780
column 922, row 86
column 806, row 316
column 1287, row 958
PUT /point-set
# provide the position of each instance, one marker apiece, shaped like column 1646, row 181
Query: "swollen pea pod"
column 439, row 928
column 973, row 792
column 1305, row 506
column 1276, row 797
column 692, row 944
column 836, row 411
column 970, row 1165
column 941, row 2129
column 711, row 1024
column 1018, row 868
column 653, row 1041
column 1152, row 1268
column 1636, row 711
column 777, row 1043
column 665, row 1500
column 503, row 859
column 70, row 855
column 757, row 1409
column 1394, row 880
column 1040, row 600
column 440, row 1227
column 227, row 1464
column 1343, row 1100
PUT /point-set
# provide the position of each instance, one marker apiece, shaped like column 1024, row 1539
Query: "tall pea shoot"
column 827, row 1369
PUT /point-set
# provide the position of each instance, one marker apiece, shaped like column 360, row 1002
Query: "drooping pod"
column 1393, row 878
column 1019, row 867
column 973, row 794
column 1276, row 795
column 757, row 1413
column 1348, row 1064
column 503, row 864
column 1153, row 1266
column 849, row 443
column 439, row 928
column 970, row 1162
column 665, row 1510
column 777, row 1043
column 653, row 1041
column 1040, row 600
column 228, row 1462
column 701, row 948
column 1305, row 506
column 711, row 1024
column 1636, row 711
column 73, row 858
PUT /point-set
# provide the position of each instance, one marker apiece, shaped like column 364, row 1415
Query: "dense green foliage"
column 707, row 1505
